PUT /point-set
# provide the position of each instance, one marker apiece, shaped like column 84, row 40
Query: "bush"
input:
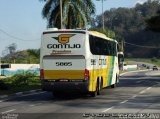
column 154, row 59
column 3, row 86
column 23, row 78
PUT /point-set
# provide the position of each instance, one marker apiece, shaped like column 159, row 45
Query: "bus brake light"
column 86, row 74
column 42, row 74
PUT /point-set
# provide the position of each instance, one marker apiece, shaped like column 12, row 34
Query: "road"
column 136, row 93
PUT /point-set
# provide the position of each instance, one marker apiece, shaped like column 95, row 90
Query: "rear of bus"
column 62, row 61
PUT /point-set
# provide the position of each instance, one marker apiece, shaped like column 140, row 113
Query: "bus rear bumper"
column 81, row 86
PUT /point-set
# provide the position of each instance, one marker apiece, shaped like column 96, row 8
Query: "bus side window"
column 106, row 51
column 97, row 46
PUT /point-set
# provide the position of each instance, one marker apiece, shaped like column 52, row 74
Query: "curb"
column 133, row 72
column 20, row 93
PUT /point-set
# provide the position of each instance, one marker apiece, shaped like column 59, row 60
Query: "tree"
column 11, row 48
column 9, row 52
column 75, row 13
column 154, row 23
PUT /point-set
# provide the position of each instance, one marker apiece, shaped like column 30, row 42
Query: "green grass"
column 19, row 83
column 20, row 88
column 151, row 61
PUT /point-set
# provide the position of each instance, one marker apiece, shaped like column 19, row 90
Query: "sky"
column 21, row 21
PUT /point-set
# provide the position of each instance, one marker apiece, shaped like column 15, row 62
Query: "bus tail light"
column 86, row 74
column 42, row 74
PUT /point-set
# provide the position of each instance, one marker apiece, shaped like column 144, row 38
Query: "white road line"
column 148, row 88
column 143, row 91
column 134, row 96
column 1, row 101
column 31, row 105
column 8, row 111
column 108, row 109
column 124, row 101
column 19, row 93
column 138, row 81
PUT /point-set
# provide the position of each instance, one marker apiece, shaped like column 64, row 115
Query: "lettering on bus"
column 60, row 52
column 93, row 61
column 59, row 46
column 63, row 63
column 102, row 61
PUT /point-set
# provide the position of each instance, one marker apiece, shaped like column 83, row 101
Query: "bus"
column 78, row 60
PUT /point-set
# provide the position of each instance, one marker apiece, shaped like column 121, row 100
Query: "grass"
column 151, row 61
column 19, row 83
column 20, row 88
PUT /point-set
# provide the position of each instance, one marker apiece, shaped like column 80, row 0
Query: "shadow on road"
column 139, row 81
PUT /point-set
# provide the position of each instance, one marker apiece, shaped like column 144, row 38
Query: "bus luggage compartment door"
column 64, row 67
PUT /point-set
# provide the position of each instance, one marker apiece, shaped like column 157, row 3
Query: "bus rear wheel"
column 98, row 89
column 93, row 94
column 115, row 85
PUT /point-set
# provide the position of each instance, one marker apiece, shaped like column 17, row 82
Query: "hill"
column 129, row 24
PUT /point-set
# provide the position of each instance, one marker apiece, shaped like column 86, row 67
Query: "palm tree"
column 76, row 13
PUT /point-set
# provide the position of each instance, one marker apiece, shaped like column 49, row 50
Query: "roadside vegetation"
column 19, row 83
column 154, row 61
column 29, row 56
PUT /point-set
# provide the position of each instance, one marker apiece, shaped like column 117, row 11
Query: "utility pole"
column 61, row 13
column 102, row 14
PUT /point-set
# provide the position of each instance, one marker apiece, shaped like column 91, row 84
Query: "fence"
column 20, row 68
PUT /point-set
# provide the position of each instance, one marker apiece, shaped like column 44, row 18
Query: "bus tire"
column 93, row 94
column 99, row 87
column 114, row 85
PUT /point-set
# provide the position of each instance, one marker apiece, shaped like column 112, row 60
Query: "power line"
column 142, row 45
column 14, row 37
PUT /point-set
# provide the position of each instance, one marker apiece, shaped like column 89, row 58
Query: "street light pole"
column 61, row 13
column 102, row 15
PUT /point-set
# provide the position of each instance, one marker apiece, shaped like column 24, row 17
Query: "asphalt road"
column 136, row 93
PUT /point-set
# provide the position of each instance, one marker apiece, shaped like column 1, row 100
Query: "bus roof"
column 98, row 34
column 94, row 33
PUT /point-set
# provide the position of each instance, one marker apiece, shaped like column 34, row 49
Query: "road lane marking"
column 8, row 111
column 124, row 101
column 108, row 109
column 139, row 81
column 143, row 91
column 1, row 101
column 19, row 93
column 134, row 96
column 148, row 88
column 32, row 105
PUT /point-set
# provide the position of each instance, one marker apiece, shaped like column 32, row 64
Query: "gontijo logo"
column 64, row 38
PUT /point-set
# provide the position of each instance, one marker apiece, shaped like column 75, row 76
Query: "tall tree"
column 154, row 23
column 76, row 13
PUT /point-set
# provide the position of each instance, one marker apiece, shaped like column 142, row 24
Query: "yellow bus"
column 78, row 60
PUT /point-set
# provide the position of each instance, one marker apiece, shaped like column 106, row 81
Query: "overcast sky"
column 22, row 19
